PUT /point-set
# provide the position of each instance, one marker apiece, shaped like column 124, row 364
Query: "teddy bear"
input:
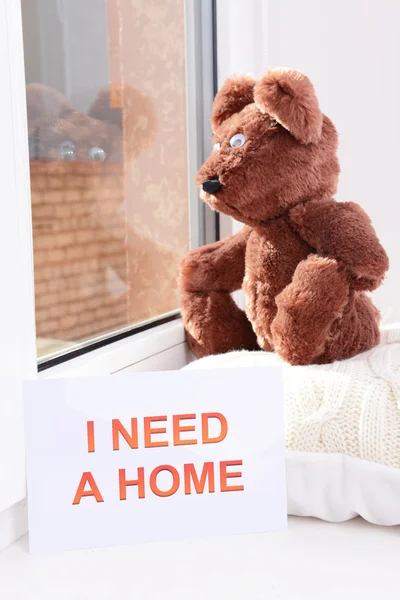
column 57, row 131
column 303, row 260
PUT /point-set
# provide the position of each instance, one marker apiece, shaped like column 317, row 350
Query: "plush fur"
column 234, row 95
column 303, row 260
column 41, row 100
column 289, row 97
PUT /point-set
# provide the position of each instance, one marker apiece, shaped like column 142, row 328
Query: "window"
column 54, row 53
column 113, row 145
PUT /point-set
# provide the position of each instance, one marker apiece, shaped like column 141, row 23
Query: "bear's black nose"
column 211, row 185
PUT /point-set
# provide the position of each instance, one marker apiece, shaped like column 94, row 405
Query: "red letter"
column 175, row 480
column 90, row 436
column 204, row 424
column 148, row 432
column 124, row 483
column 117, row 428
column 190, row 472
column 178, row 429
column 93, row 491
column 224, row 475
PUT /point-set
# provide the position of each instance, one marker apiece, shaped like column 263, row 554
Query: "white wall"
column 351, row 51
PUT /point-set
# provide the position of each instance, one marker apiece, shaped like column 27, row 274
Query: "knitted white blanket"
column 350, row 407
column 342, row 429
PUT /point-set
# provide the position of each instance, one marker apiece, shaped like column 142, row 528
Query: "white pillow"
column 342, row 431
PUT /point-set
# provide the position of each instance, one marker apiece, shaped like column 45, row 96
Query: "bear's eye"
column 217, row 147
column 97, row 154
column 238, row 140
column 66, row 151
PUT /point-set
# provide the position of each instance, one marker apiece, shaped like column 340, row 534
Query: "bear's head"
column 120, row 122
column 273, row 148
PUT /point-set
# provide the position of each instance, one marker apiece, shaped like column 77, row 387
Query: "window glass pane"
column 106, row 99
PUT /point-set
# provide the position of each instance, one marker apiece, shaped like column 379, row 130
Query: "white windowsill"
column 127, row 353
column 313, row 560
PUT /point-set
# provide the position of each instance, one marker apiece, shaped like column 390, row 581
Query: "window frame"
column 17, row 317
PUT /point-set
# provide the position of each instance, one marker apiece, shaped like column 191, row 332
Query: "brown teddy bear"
column 303, row 260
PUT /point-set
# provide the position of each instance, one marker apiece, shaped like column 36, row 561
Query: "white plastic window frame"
column 162, row 347
column 17, row 316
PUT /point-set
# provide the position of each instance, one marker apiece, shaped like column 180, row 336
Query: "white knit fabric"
column 349, row 408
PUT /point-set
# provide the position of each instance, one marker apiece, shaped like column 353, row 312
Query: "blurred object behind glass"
column 105, row 86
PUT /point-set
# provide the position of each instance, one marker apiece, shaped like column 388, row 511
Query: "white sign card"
column 154, row 456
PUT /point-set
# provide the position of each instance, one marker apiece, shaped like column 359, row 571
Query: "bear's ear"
column 131, row 111
column 42, row 101
column 236, row 93
column 289, row 97
column 108, row 106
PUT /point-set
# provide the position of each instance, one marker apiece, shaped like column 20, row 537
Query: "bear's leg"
column 214, row 324
column 356, row 331
column 307, row 309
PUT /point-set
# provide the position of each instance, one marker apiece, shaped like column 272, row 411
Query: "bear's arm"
column 218, row 267
column 343, row 231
